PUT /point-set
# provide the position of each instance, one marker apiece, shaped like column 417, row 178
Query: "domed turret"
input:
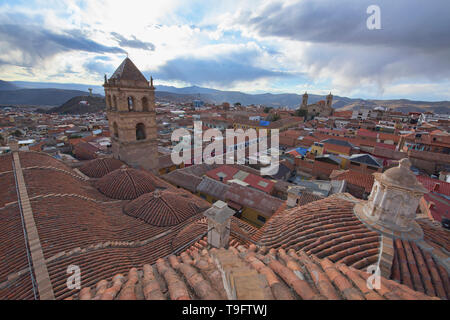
column 391, row 207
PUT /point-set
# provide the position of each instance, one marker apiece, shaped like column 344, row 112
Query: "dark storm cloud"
column 411, row 23
column 413, row 42
column 223, row 69
column 35, row 43
column 133, row 43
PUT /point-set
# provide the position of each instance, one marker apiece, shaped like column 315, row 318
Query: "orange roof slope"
column 98, row 168
column 361, row 179
column 165, row 208
column 327, row 228
column 194, row 275
column 129, row 183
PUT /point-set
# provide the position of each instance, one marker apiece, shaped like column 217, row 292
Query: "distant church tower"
column 329, row 100
column 305, row 100
column 130, row 107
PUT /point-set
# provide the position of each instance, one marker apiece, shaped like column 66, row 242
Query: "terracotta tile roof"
column 367, row 133
column 8, row 191
column 5, row 162
column 327, row 228
column 14, row 255
column 385, row 146
column 418, row 270
column 85, row 151
column 183, row 179
column 47, row 181
column 165, row 208
column 94, row 234
column 129, row 183
column 32, row 159
column 277, row 274
column 435, row 234
column 98, row 168
column 437, row 205
column 364, row 180
column 307, row 197
column 253, row 198
column 98, row 238
column 82, row 229
column 436, row 185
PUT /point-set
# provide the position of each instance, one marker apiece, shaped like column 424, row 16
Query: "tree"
column 2, row 140
column 267, row 109
column 273, row 117
column 237, row 104
column 17, row 133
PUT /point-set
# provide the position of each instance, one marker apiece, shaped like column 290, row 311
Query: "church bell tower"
column 305, row 100
column 329, row 100
column 130, row 107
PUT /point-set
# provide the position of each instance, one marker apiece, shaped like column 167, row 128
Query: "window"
column 140, row 131
column 114, row 103
column 116, row 130
column 145, row 104
column 261, row 218
column 130, row 103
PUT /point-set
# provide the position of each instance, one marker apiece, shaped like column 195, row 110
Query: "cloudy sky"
column 250, row 46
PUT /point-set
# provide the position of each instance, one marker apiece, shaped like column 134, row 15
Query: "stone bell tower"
column 329, row 100
column 130, row 107
column 304, row 100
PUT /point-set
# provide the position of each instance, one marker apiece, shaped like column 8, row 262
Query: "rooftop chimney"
column 219, row 217
column 13, row 145
column 436, row 187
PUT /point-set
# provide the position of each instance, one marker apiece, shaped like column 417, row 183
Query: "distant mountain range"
column 56, row 94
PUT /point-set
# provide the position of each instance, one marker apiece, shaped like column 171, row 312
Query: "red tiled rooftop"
column 129, row 184
column 438, row 206
column 367, row 133
column 417, row 269
column 436, row 185
column 361, row 179
column 327, row 228
column 98, row 168
column 278, row 275
column 165, row 208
